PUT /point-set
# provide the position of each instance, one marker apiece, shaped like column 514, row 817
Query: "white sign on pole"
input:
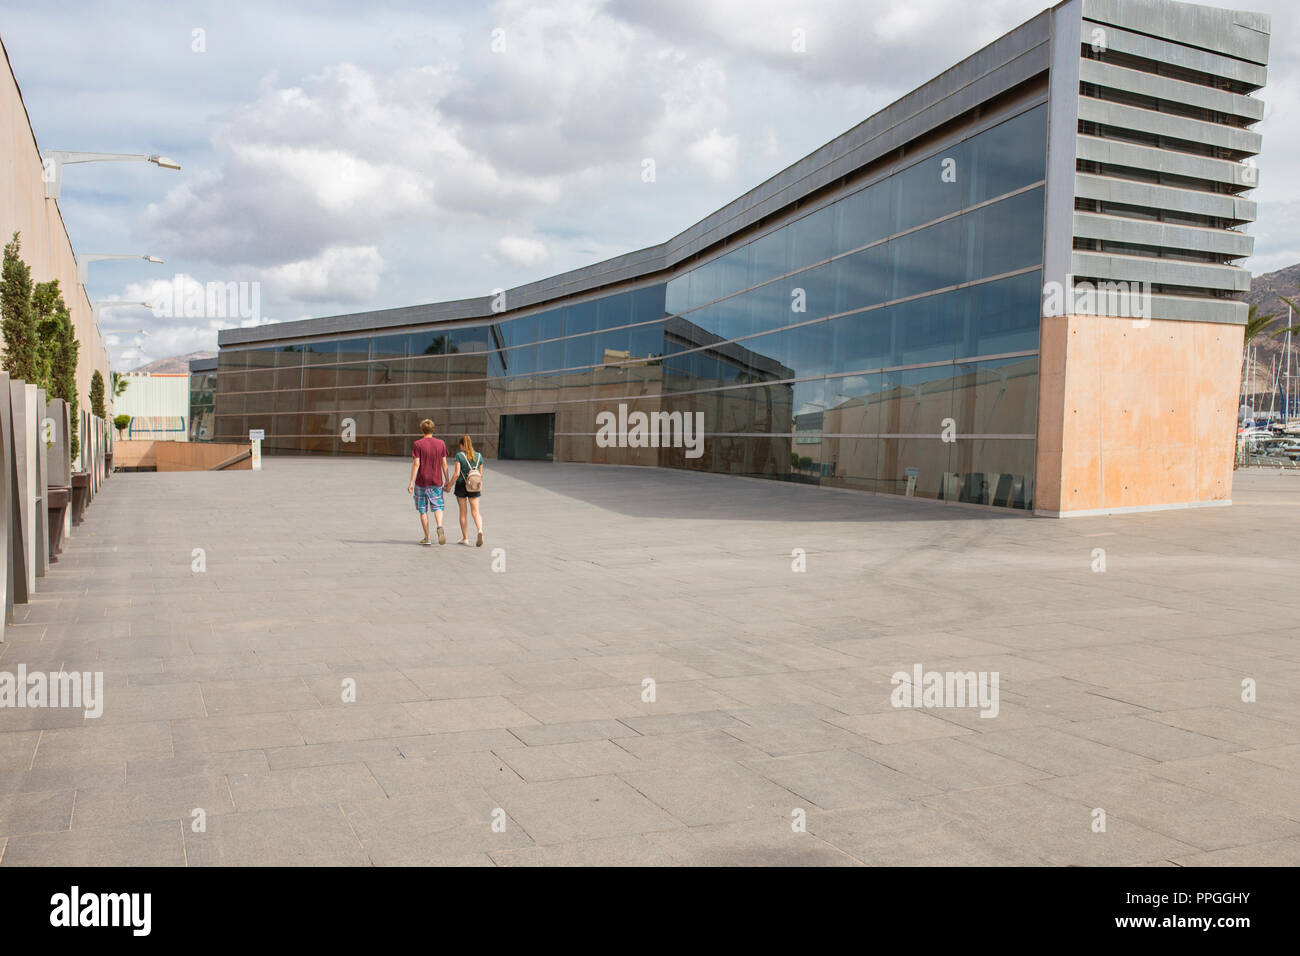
column 256, row 434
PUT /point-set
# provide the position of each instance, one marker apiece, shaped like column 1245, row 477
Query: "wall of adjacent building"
column 46, row 247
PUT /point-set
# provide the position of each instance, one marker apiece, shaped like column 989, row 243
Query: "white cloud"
column 716, row 154
column 523, row 251
column 337, row 274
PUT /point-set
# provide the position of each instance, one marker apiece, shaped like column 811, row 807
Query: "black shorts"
column 462, row 493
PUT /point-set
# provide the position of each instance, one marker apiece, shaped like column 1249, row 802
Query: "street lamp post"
column 95, row 307
column 86, row 260
column 56, row 159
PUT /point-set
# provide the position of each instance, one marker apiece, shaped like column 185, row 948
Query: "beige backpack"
column 474, row 477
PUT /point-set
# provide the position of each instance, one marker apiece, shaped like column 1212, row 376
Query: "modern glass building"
column 880, row 315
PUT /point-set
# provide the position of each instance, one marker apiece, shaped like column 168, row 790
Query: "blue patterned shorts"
column 428, row 499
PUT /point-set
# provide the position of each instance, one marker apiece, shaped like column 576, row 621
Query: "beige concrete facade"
column 45, row 243
column 178, row 455
column 1134, row 415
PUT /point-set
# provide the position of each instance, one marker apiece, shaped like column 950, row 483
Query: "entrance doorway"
column 527, row 436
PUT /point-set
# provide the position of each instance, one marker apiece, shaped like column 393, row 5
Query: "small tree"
column 121, row 422
column 17, row 323
column 97, row 395
column 57, row 351
column 48, row 310
column 120, row 382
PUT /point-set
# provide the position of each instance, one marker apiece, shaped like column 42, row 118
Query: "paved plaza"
column 501, row 712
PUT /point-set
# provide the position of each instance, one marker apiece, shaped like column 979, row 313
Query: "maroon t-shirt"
column 431, row 453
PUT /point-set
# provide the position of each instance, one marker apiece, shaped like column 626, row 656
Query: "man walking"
column 428, row 475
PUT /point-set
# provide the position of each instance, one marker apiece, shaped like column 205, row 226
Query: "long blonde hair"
column 467, row 447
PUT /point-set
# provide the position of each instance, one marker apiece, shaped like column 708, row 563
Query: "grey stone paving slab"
column 892, row 726
column 835, row 779
column 610, row 851
column 723, row 793
column 914, row 835
column 35, row 812
column 442, row 683
column 17, row 748
column 475, row 713
column 762, row 843
column 541, row 735
column 224, row 734
column 1270, row 853
column 127, row 844
column 303, row 786
column 1284, row 758
column 688, row 749
column 950, row 763
column 355, row 722
column 92, row 743
column 1204, row 820
column 451, row 828
column 235, row 697
column 1234, row 778
column 197, row 765
column 133, row 703
column 1055, row 751
column 401, row 775
column 1235, row 725
column 772, row 689
column 150, row 801
column 298, row 836
column 62, row 778
column 581, row 808
column 367, row 687
column 586, row 758
column 1150, row 737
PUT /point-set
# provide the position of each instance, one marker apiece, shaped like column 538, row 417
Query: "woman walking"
column 468, row 479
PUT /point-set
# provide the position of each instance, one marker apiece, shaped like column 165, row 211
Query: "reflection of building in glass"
column 203, row 398
column 871, row 318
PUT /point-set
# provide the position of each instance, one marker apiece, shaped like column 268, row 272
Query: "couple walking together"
column 432, row 474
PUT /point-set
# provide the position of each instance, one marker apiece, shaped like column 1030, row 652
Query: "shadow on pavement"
column 673, row 493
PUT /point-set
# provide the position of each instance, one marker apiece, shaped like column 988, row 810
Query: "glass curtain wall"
column 885, row 342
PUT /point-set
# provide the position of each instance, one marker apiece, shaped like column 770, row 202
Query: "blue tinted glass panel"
column 769, row 257
column 388, row 346
column 550, row 356
column 1001, row 316
column 646, row 341
column 924, row 330
column 1010, row 155
column 705, row 282
column 467, row 340
column 862, row 279
column 812, row 238
column 317, row 353
column 863, row 217
column 733, row 269
column 1007, row 235
column 931, row 188
column 860, row 341
column 769, row 306
column 522, row 331
column 550, row 325
column 818, row 285
column 929, row 259
column 648, row 303
column 678, row 294
column 611, row 311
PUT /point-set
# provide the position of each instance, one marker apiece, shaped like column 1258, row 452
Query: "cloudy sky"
column 353, row 156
